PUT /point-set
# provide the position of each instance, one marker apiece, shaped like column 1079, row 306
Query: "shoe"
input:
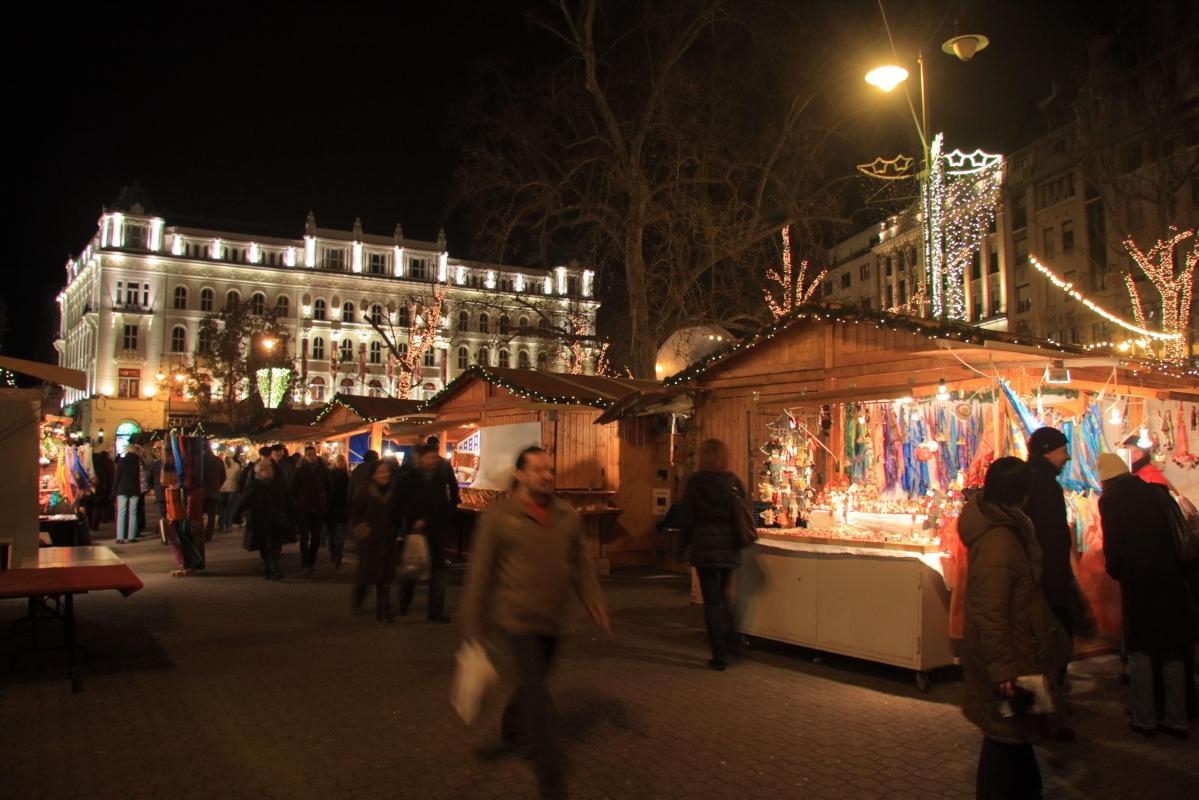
column 1146, row 732
column 718, row 664
column 1181, row 734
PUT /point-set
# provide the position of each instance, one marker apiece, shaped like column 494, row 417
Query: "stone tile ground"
column 228, row 686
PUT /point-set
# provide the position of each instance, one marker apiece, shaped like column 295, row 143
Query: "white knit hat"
column 1111, row 466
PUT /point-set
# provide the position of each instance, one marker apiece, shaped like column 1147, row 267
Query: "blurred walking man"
column 528, row 556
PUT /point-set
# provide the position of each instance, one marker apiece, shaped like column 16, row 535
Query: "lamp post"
column 887, row 78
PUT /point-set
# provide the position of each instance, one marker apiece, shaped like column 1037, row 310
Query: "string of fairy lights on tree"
column 790, row 294
column 1176, row 290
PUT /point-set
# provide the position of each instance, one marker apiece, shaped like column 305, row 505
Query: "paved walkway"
column 229, row 686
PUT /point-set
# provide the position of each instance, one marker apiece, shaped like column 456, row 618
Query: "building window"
column 431, row 357
column 976, row 266
column 846, row 280
column 282, row 306
column 129, row 341
column 1068, row 236
column 543, row 361
column 347, row 350
column 505, row 324
column 347, row 386
column 232, row 299
column 1055, row 191
column 129, row 381
column 377, row 314
column 178, row 339
column 996, row 304
column 180, row 298
column 463, row 321
column 418, row 268
column 522, row 325
column 977, row 310
column 463, row 358
column 316, row 390
column 505, row 359
column 318, row 348
column 376, row 353
column 864, row 272
column 204, row 341
column 522, row 359
column 347, row 312
column 1049, row 242
column 993, row 263
column 135, row 237
column 335, row 258
column 375, row 389
column 543, row 325
column 206, row 298
column 1020, row 212
column 377, row 264
column 404, row 316
column 318, row 310
column 483, row 358
column 484, row 323
column 1023, row 299
column 258, row 303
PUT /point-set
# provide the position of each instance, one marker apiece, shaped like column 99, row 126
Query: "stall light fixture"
column 1143, row 441
column 100, row 435
column 1114, row 416
column 1057, row 373
column 942, row 390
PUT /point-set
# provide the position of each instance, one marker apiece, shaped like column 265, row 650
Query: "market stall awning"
column 52, row 373
column 555, row 388
column 643, row 402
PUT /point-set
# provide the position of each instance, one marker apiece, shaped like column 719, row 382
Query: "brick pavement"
column 229, row 686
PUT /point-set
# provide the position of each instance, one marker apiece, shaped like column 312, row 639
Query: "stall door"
column 777, row 595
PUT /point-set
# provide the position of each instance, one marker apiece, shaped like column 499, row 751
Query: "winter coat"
column 1046, row 507
column 1147, row 471
column 271, row 517
column 286, row 467
column 1159, row 612
column 360, row 477
column 381, row 512
column 128, row 481
column 522, row 573
column 1010, row 630
column 310, row 487
column 430, row 496
column 339, row 496
column 154, row 480
column 707, row 523
column 214, row 475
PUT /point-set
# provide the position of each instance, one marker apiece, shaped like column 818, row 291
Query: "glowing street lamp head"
column 886, row 77
column 268, row 344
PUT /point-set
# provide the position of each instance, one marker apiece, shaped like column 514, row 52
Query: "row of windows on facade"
column 130, row 380
column 258, row 304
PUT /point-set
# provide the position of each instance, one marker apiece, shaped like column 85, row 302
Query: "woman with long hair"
column 709, row 506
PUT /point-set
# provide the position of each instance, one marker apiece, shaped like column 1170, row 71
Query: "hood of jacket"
column 979, row 517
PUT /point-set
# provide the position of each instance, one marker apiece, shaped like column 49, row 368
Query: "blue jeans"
column 228, row 504
column 1140, row 674
column 127, row 507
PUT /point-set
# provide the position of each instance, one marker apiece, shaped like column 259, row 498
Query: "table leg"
column 69, row 640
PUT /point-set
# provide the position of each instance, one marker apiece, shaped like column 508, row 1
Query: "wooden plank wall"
column 643, row 451
column 586, row 453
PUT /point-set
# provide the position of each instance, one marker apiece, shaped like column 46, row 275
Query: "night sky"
column 249, row 116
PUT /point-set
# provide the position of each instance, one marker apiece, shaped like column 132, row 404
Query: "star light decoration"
column 960, row 198
column 1177, row 291
column 792, row 294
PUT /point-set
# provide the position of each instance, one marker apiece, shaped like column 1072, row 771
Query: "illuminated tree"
column 790, row 293
column 424, row 319
column 1176, row 290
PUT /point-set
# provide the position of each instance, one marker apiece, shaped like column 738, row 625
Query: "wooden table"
column 61, row 573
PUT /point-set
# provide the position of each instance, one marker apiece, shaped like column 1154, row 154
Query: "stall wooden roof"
column 374, row 409
column 554, row 388
column 845, row 352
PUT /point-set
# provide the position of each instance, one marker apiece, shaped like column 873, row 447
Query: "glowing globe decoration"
column 686, row 346
column 272, row 385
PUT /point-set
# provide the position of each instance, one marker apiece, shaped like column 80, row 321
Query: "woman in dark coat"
column 1159, row 612
column 707, row 525
column 271, row 519
column 338, row 508
column 374, row 513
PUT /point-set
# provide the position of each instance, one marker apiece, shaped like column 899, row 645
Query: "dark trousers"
column 311, row 523
column 528, row 720
column 382, row 599
column 719, row 614
column 1007, row 772
column 437, row 580
column 270, row 560
column 212, row 506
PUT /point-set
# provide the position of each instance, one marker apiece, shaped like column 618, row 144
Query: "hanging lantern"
column 272, row 385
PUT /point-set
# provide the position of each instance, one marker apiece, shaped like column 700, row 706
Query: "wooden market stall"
column 487, row 415
column 857, row 433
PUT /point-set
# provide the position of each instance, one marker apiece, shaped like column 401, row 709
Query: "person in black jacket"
column 1159, row 612
column 271, row 516
column 128, row 489
column 707, row 525
column 310, row 487
column 430, row 496
column 339, row 508
column 1046, row 507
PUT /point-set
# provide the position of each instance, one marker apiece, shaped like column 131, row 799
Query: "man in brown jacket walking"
column 529, row 553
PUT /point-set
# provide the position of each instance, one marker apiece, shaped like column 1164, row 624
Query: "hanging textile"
column 1027, row 419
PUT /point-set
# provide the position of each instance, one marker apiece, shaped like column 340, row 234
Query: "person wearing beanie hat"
column 1046, row 507
column 1110, row 466
column 1159, row 612
column 1142, row 461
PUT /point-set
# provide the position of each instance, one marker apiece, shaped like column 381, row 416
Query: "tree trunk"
column 642, row 344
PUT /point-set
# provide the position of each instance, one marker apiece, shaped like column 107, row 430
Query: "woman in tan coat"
column 1010, row 631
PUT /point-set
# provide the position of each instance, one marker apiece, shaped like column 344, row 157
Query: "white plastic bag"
column 473, row 680
column 414, row 560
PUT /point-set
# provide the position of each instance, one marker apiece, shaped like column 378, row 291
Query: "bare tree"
column 663, row 152
column 409, row 330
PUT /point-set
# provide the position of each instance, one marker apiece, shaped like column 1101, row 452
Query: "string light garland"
column 792, row 294
column 1177, row 291
column 517, row 390
column 1068, row 287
